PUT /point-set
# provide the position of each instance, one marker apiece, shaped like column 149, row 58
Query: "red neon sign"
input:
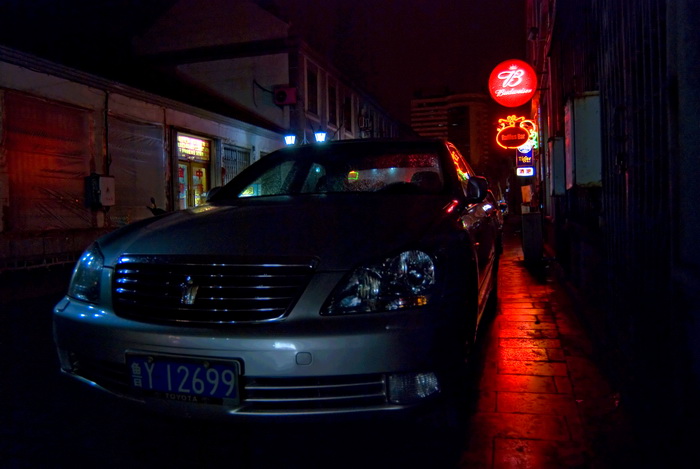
column 514, row 132
column 512, row 83
column 512, row 137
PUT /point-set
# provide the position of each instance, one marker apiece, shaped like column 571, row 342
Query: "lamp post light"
column 290, row 139
column 320, row 136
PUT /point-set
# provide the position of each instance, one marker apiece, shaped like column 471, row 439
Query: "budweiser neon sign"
column 512, row 83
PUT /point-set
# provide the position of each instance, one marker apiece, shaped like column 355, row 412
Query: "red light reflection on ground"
column 539, row 393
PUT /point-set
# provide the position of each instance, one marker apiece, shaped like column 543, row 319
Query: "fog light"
column 409, row 388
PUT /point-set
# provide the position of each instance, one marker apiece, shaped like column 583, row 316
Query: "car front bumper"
column 347, row 365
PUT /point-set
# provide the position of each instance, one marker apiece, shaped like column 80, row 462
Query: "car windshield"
column 405, row 172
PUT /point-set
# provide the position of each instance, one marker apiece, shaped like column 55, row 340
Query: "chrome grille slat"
column 314, row 399
column 285, row 389
column 257, row 387
column 152, row 288
column 279, row 395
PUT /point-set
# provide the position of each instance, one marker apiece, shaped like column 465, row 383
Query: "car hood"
column 339, row 231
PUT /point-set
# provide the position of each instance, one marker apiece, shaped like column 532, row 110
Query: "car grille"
column 313, row 394
column 174, row 288
column 268, row 395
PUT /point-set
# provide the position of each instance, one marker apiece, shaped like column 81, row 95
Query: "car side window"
column 419, row 170
column 272, row 182
column 316, row 180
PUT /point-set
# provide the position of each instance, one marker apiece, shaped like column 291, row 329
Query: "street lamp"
column 290, row 139
column 320, row 136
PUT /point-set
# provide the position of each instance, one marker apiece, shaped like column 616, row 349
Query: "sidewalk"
column 542, row 400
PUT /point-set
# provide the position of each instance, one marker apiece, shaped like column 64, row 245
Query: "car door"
column 477, row 220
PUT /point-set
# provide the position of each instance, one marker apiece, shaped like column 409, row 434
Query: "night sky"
column 399, row 47
column 391, row 48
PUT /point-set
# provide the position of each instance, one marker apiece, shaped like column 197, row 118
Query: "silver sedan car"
column 342, row 278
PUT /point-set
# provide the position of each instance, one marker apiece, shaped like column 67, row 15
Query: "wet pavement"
column 543, row 401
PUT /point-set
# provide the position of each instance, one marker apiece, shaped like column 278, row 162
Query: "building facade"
column 259, row 66
column 81, row 155
column 617, row 108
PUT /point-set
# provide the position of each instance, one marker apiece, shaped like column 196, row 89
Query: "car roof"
column 378, row 143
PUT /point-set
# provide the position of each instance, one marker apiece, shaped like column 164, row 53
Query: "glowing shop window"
column 192, row 148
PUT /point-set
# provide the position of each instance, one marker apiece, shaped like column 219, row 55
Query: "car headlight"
column 85, row 283
column 402, row 281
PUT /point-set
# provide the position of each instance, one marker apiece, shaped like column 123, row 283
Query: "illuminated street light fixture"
column 290, row 139
column 320, row 136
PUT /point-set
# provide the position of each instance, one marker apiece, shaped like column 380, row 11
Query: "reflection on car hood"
column 339, row 230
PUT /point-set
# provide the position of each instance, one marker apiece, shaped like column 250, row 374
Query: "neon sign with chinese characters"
column 525, row 171
column 512, row 83
column 515, row 132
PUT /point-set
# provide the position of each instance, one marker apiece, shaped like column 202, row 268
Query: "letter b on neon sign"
column 512, row 83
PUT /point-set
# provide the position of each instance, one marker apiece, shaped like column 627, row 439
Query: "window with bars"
column 233, row 160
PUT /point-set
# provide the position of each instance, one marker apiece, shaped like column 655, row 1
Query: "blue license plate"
column 194, row 380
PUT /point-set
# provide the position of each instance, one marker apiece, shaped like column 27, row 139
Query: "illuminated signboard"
column 512, row 83
column 514, row 132
column 525, row 171
column 192, row 148
column 530, row 126
column 512, row 137
column 523, row 156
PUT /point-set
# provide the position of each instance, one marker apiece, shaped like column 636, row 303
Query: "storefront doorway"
column 194, row 155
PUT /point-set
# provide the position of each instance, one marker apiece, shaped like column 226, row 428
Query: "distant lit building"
column 461, row 118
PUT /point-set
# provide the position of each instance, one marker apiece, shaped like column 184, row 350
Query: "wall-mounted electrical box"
column 99, row 191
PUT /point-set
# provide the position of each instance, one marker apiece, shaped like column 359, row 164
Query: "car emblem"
column 189, row 291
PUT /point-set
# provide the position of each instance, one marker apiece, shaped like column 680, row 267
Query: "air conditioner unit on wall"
column 283, row 95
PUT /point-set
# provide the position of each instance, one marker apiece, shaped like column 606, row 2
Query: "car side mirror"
column 212, row 192
column 477, row 188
